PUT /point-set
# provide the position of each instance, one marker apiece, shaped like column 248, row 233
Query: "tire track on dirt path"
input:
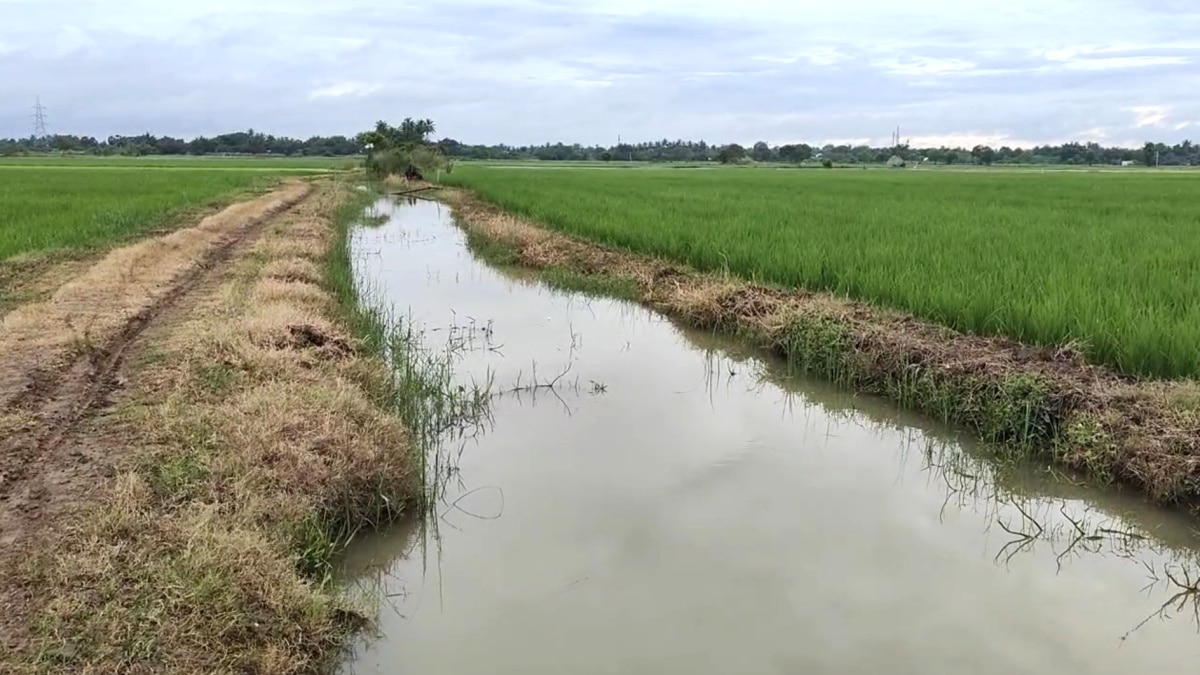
column 50, row 401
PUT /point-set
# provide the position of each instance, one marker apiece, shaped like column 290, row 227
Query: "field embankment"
column 1103, row 260
column 1047, row 400
column 190, row 433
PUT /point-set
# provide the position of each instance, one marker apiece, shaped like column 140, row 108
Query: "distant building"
column 1127, row 162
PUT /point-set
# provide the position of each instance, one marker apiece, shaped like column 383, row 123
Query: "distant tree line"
column 255, row 143
column 1151, row 154
column 248, row 142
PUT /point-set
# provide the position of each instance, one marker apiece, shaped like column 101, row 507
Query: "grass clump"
column 496, row 251
column 595, row 285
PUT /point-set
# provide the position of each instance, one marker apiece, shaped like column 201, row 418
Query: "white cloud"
column 344, row 89
column 71, row 39
column 1096, row 134
column 1150, row 115
column 970, row 139
column 824, row 55
column 1120, row 62
column 924, row 65
column 845, row 141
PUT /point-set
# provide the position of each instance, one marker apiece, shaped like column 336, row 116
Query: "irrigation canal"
column 678, row 503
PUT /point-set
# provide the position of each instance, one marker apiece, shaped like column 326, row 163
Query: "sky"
column 963, row 72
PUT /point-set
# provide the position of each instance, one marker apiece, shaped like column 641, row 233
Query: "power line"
column 39, row 119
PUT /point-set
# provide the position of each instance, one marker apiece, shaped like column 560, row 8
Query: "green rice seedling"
column 47, row 209
column 1107, row 260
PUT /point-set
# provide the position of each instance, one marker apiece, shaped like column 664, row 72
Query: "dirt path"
column 64, row 357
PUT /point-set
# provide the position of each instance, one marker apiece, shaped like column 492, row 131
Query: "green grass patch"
column 1103, row 258
column 603, row 286
column 53, row 209
column 495, row 251
column 175, row 475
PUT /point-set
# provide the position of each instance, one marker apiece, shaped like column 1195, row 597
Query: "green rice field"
column 1109, row 259
column 53, row 208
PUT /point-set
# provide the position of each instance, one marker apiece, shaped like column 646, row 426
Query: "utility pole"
column 39, row 120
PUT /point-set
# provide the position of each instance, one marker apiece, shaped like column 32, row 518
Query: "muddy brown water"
column 679, row 503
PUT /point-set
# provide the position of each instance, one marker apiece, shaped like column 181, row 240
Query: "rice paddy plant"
column 43, row 209
column 1105, row 259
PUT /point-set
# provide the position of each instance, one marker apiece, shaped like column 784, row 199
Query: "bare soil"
column 1141, row 433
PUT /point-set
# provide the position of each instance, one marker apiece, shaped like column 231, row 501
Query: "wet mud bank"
column 646, row 496
column 1028, row 401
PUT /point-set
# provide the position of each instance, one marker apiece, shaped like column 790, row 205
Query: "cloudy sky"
column 1010, row 72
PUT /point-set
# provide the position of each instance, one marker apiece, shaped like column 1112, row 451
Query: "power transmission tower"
column 39, row 120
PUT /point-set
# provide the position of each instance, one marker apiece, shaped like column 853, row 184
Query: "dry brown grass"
column 254, row 452
column 292, row 249
column 289, row 293
column 148, row 590
column 293, row 269
column 34, row 277
column 1046, row 400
